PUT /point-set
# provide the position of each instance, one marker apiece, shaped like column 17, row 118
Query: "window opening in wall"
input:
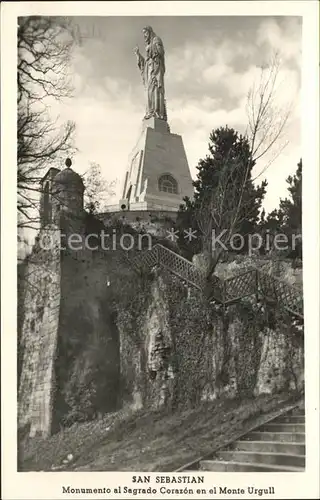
column 168, row 184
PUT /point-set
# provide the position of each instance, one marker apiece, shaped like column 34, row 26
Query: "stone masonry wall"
column 87, row 364
column 39, row 336
column 69, row 340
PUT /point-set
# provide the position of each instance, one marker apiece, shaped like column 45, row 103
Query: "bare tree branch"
column 227, row 206
column 44, row 50
column 266, row 120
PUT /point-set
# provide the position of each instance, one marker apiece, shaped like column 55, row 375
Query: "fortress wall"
column 69, row 344
column 38, row 340
column 87, row 364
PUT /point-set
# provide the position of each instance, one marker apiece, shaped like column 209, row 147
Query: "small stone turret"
column 62, row 194
column 67, row 191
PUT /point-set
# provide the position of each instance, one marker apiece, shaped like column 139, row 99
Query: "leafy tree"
column 269, row 226
column 287, row 219
column 292, row 208
column 226, row 201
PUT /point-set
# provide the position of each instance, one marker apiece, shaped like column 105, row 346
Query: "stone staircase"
column 276, row 446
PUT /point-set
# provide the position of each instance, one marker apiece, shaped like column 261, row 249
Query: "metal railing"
column 230, row 290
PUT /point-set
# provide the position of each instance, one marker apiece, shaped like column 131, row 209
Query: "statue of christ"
column 152, row 69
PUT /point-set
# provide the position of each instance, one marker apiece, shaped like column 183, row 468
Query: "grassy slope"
column 148, row 440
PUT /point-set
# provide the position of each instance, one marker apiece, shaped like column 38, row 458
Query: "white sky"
column 211, row 62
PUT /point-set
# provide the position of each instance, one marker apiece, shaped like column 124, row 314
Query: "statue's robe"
column 152, row 69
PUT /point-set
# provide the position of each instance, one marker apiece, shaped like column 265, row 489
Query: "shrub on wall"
column 192, row 324
column 247, row 320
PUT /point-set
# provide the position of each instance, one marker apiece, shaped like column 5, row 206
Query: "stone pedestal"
column 158, row 155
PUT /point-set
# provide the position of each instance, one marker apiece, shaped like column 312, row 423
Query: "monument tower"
column 158, row 175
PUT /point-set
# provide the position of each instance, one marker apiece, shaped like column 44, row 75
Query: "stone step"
column 260, row 457
column 282, row 427
column 223, row 466
column 290, row 448
column 276, row 446
column 297, row 411
column 292, row 419
column 282, row 437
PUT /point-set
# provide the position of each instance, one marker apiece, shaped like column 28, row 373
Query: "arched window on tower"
column 168, row 184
